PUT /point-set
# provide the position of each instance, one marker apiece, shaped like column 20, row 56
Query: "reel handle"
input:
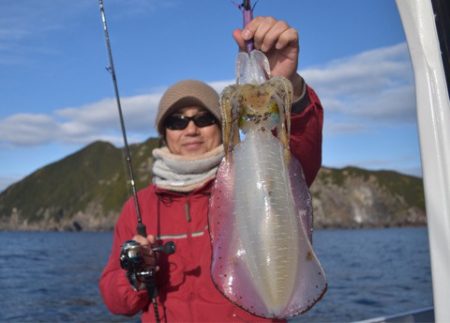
column 168, row 248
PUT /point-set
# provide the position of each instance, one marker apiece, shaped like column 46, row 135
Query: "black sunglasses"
column 180, row 122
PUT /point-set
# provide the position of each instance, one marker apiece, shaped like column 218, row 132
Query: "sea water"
column 52, row 276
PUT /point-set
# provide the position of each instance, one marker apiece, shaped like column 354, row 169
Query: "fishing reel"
column 141, row 273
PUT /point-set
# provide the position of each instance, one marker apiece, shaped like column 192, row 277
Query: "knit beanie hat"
column 187, row 93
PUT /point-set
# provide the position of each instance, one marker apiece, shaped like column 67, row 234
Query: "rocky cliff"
column 354, row 197
column 86, row 190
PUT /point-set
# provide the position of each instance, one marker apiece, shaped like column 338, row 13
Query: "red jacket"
column 186, row 292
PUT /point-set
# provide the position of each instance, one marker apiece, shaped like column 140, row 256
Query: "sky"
column 56, row 95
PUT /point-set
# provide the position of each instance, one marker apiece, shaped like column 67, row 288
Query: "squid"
column 260, row 216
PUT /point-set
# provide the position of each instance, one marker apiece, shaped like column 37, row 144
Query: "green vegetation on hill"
column 87, row 189
column 96, row 174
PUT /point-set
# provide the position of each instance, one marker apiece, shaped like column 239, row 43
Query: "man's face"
column 193, row 140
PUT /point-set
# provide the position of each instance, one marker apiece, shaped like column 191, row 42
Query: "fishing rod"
column 132, row 253
column 141, row 229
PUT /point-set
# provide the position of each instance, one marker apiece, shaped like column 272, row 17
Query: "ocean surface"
column 52, row 277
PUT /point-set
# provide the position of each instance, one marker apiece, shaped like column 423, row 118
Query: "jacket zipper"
column 187, row 209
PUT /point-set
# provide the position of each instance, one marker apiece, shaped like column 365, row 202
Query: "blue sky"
column 56, row 96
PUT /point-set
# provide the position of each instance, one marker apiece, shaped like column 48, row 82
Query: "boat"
column 427, row 28
column 418, row 315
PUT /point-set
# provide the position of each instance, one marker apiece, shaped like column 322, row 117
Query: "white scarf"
column 183, row 173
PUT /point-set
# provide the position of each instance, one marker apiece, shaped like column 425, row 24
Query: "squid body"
column 261, row 210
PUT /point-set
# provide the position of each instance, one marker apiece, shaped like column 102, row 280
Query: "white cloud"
column 343, row 128
column 93, row 121
column 28, row 129
column 395, row 104
column 82, row 125
column 101, row 118
column 220, row 85
column 376, row 85
column 364, row 72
